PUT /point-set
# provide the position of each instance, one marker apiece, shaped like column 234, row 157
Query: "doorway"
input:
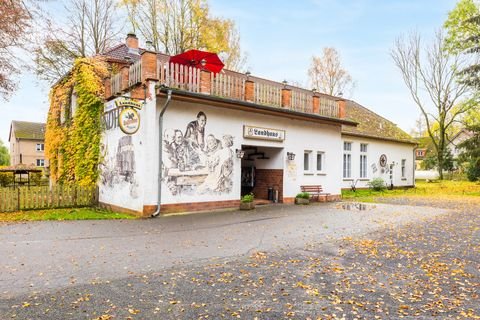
column 262, row 172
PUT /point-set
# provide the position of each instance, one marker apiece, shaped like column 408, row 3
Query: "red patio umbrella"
column 199, row 59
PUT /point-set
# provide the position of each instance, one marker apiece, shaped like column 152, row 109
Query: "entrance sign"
column 129, row 120
column 252, row 132
column 128, row 103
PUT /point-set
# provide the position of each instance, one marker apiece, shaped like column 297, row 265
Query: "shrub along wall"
column 72, row 144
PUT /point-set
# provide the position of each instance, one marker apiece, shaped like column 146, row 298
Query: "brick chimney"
column 132, row 41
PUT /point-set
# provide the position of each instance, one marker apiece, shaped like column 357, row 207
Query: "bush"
column 377, row 184
column 473, row 171
column 6, row 178
column 247, row 198
column 36, row 178
column 303, row 195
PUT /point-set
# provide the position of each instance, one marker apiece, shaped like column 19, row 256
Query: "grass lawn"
column 438, row 189
column 63, row 214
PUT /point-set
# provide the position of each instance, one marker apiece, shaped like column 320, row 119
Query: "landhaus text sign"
column 252, row 132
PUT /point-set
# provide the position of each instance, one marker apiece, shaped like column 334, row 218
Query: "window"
column 363, row 147
column 306, row 160
column 40, row 163
column 40, row 146
column 347, row 160
column 320, row 161
column 363, row 160
column 404, row 163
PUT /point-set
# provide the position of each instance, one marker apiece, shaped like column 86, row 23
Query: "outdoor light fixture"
column 314, row 90
column 240, row 153
column 203, row 62
column 284, row 83
column 290, row 156
column 149, row 44
column 127, row 58
column 248, row 73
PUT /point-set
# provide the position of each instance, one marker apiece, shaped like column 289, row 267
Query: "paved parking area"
column 144, row 264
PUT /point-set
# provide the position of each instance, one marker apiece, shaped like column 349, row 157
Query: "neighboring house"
column 457, row 139
column 225, row 135
column 27, row 143
column 375, row 148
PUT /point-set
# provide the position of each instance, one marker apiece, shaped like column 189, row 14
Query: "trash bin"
column 270, row 194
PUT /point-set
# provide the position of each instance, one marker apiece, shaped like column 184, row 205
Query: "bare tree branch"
column 432, row 74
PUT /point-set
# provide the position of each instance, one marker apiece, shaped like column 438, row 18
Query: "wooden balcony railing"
column 226, row 84
column 135, row 73
column 116, row 84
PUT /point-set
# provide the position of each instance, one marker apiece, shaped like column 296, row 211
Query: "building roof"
column 372, row 125
column 119, row 52
column 27, row 130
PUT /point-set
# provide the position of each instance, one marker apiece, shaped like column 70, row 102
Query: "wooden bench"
column 315, row 191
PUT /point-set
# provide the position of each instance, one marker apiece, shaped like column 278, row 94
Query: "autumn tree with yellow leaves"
column 175, row 26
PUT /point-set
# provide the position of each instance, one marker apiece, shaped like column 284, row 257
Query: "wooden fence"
column 31, row 198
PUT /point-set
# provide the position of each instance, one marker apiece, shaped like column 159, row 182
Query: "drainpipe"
column 160, row 152
column 414, row 164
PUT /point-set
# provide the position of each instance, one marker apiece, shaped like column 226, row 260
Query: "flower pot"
column 302, row 201
column 247, row 205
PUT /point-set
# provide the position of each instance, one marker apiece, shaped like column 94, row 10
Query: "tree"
column 14, row 24
column 430, row 76
column 463, row 36
column 175, row 26
column 4, row 155
column 327, row 74
column 471, row 153
column 90, row 30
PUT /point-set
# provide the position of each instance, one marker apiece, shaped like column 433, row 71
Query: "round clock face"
column 129, row 120
column 383, row 160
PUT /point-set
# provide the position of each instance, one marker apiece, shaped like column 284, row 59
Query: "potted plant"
column 302, row 198
column 246, row 203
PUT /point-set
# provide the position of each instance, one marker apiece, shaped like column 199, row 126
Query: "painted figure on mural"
column 195, row 132
column 169, row 158
column 220, row 168
column 185, row 156
column 213, row 145
column 196, row 162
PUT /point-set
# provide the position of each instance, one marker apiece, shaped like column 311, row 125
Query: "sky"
column 281, row 36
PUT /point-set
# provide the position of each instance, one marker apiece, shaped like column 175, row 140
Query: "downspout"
column 414, row 164
column 160, row 152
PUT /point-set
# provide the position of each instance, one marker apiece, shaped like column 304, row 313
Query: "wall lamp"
column 240, row 153
column 290, row 156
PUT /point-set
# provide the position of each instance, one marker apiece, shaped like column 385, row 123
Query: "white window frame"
column 40, row 162
column 40, row 147
column 404, row 168
column 347, row 160
column 309, row 162
column 322, row 162
column 363, row 161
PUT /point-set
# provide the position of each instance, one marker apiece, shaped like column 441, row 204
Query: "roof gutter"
column 160, row 152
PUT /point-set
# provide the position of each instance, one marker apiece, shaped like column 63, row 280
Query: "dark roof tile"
column 372, row 125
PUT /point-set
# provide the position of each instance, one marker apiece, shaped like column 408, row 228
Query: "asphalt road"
column 273, row 262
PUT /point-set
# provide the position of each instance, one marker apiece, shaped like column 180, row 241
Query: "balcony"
column 226, row 84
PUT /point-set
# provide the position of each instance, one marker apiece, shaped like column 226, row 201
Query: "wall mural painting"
column 120, row 169
column 197, row 163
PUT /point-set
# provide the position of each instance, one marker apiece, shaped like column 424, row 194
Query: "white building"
column 289, row 137
column 376, row 147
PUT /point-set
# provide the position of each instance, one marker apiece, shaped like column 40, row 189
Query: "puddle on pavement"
column 356, row 206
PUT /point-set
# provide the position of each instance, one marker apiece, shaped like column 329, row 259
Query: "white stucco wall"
column 300, row 136
column 394, row 151
column 117, row 186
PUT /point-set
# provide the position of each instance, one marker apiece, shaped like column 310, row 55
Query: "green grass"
column 446, row 188
column 63, row 214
